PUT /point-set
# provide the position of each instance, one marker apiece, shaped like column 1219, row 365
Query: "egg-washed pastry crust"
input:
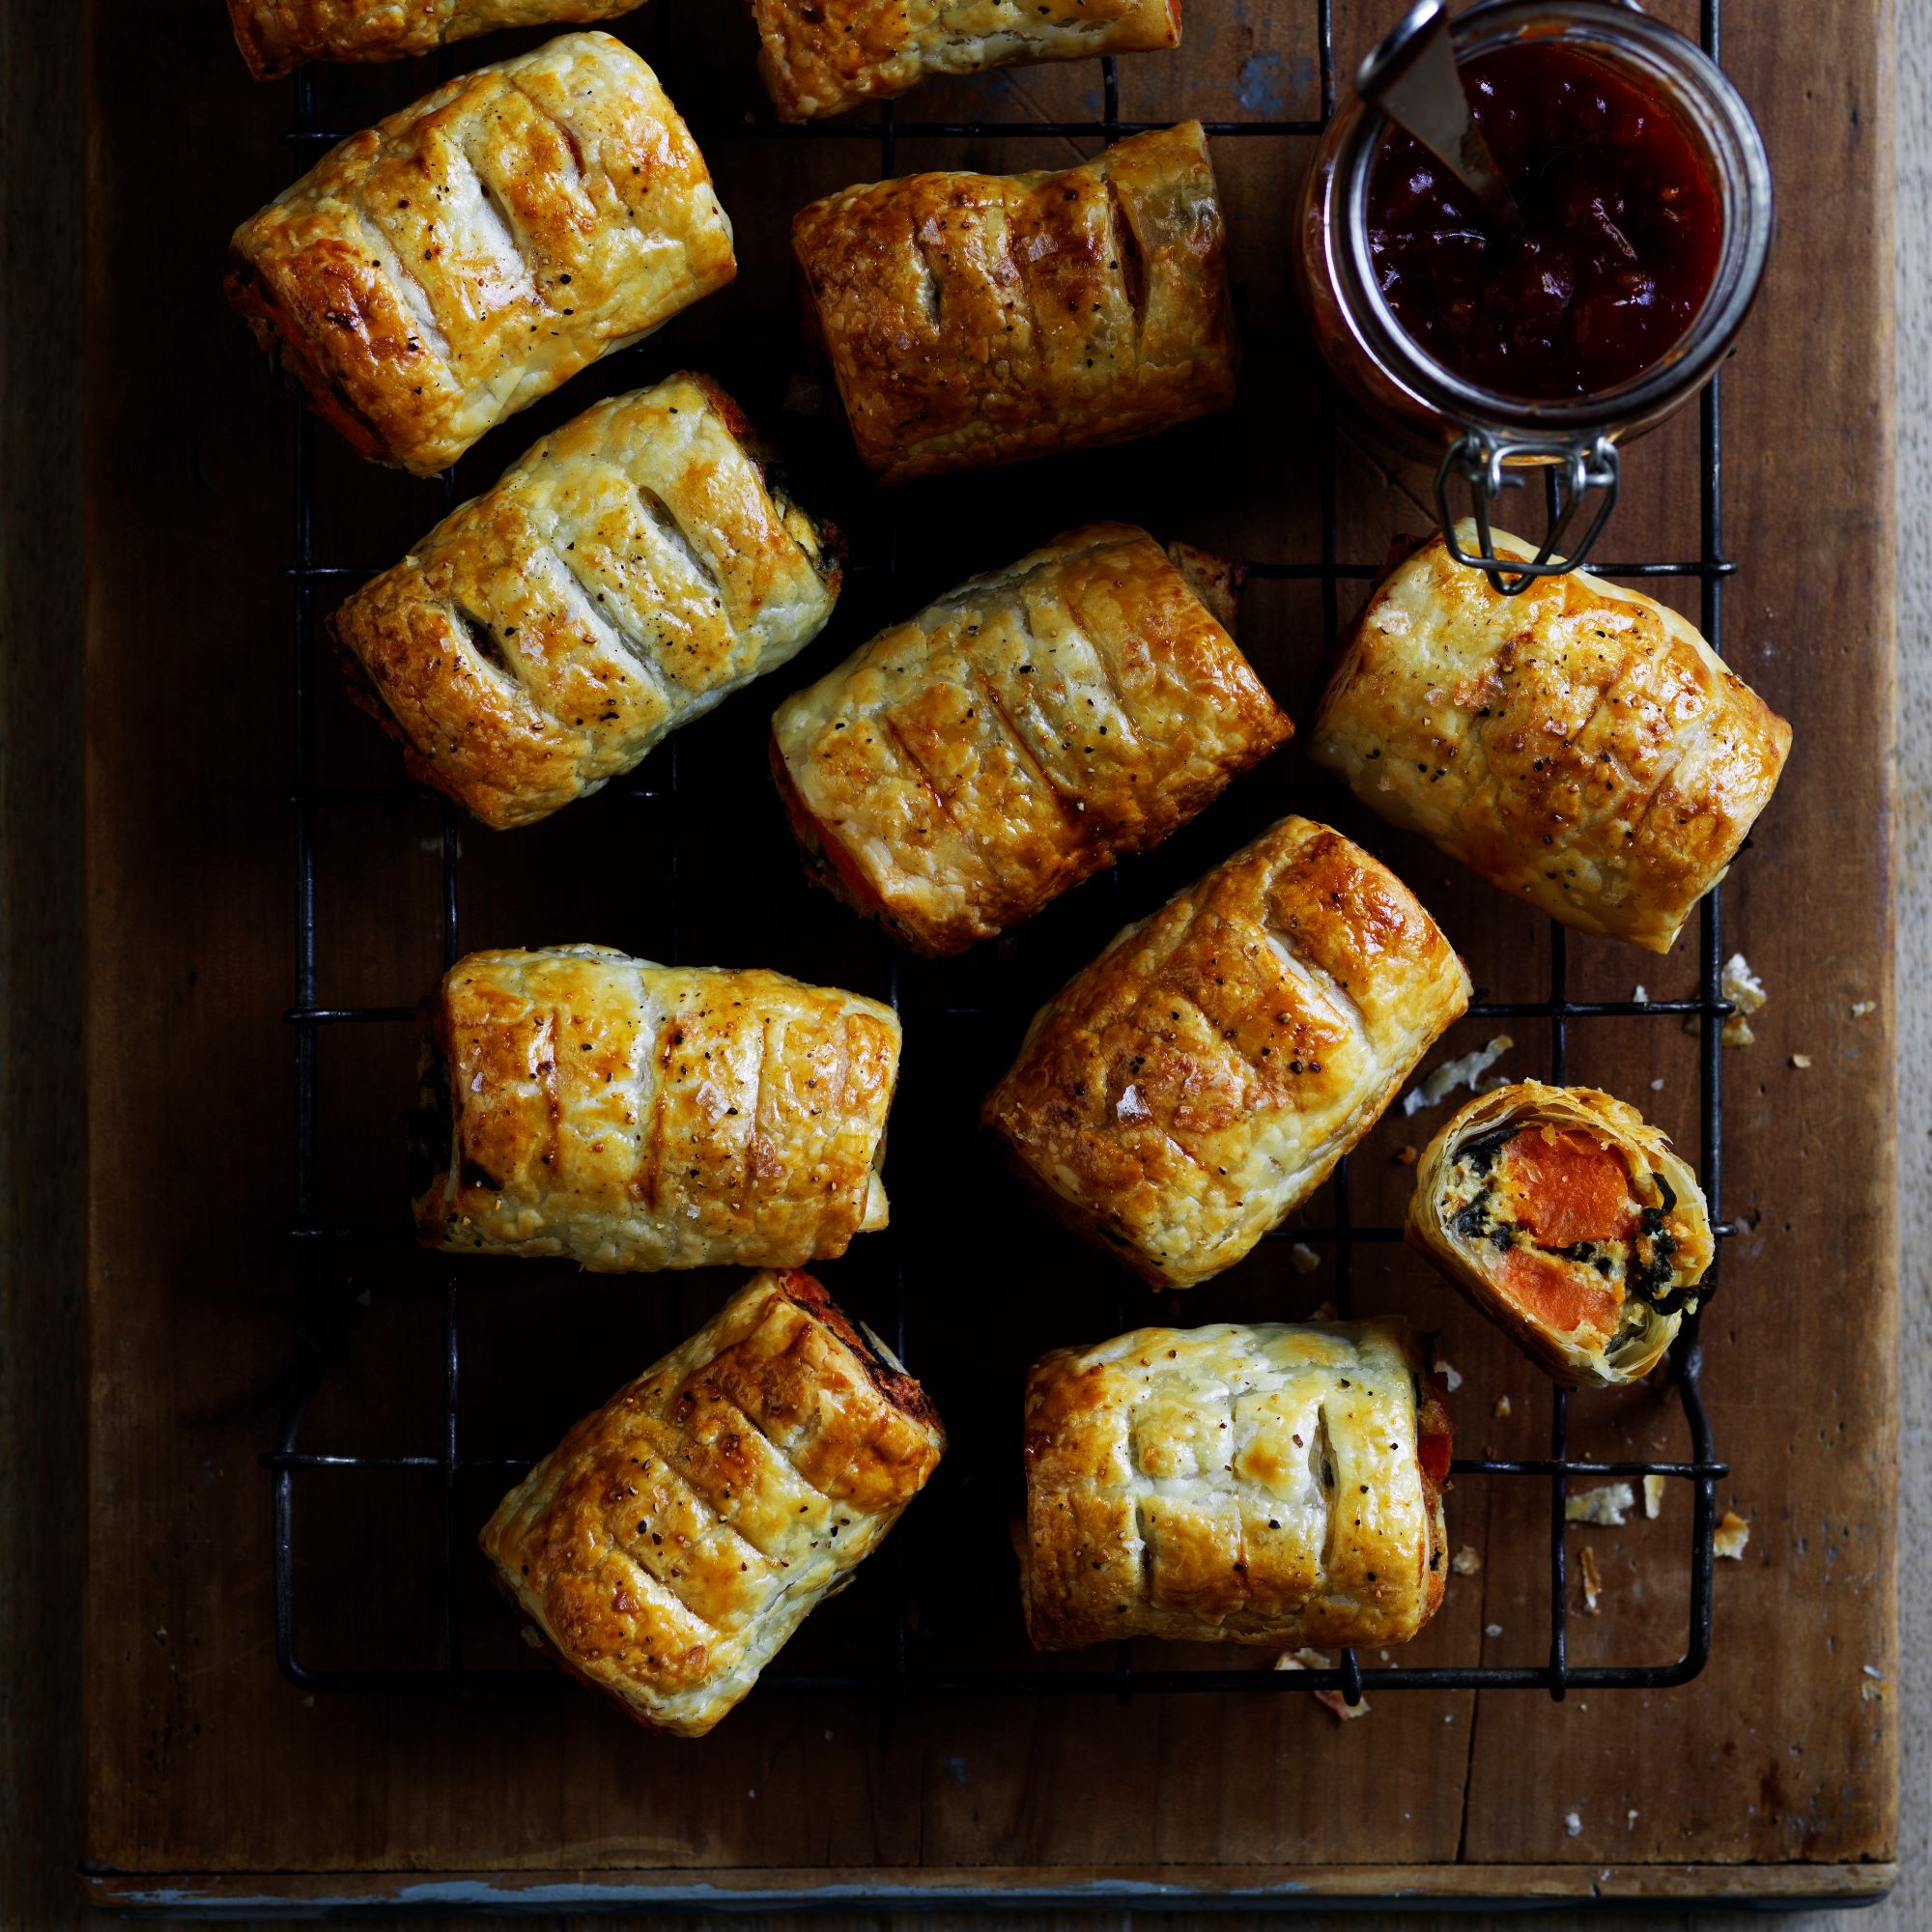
column 820, row 57
column 624, row 576
column 277, row 36
column 634, row 1116
column 982, row 319
column 673, row 1541
column 1567, row 1219
column 456, row 262
column 1579, row 745
column 1020, row 734
column 1193, row 1086
column 1272, row 1484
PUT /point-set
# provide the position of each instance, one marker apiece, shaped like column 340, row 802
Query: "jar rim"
column 1725, row 129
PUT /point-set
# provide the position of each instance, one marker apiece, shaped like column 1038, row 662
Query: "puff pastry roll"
column 277, row 35
column 451, row 265
column 580, row 1103
column 980, row 318
column 820, row 57
column 1567, row 1220
column 1268, row 1485
column 1579, row 746
column 623, row 576
column 669, row 1545
column 1193, row 1086
column 1017, row 736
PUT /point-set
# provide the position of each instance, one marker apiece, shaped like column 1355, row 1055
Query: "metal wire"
column 320, row 1317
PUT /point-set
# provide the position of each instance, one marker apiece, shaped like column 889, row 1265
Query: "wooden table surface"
column 173, row 1761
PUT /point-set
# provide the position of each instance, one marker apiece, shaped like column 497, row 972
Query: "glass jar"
column 1483, row 436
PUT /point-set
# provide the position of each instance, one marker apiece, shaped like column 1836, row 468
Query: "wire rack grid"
column 319, row 1315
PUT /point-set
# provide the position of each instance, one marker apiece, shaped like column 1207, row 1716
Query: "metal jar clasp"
column 1575, row 467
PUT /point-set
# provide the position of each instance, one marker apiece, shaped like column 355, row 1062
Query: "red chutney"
column 1622, row 230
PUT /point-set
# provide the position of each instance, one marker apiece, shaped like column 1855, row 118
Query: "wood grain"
column 1759, row 1778
column 41, row 1372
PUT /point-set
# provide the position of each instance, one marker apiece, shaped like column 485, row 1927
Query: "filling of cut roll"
column 1582, row 1247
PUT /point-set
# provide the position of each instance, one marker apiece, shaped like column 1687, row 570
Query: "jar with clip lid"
column 1601, row 308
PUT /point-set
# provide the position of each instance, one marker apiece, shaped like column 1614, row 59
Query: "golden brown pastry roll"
column 456, row 262
column 820, row 57
column 1192, row 1086
column 669, row 1545
column 623, row 576
column 275, row 36
column 1017, row 736
column 1567, row 1220
column 980, row 318
column 1579, row 745
column 580, row 1103
column 1272, row 1484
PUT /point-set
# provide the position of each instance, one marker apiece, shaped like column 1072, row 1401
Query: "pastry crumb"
column 1608, row 1505
column 1467, row 1071
column 1573, row 1824
column 1306, row 1659
column 1653, row 1497
column 1656, row 1085
column 1630, row 1818
column 1740, row 986
column 1324, row 1311
column 1451, row 1377
column 1405, row 1155
column 1593, row 1582
column 1640, row 996
column 1744, row 991
column 1465, row 1562
column 1800, row 1061
column 1306, row 1261
column 1502, row 1407
column 1493, row 1630
column 1732, row 1534
column 1333, row 1701
column 1872, row 1685
column 1860, row 1007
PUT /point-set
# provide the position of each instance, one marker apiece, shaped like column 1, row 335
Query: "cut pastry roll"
column 1568, row 1221
column 1579, row 745
column 456, row 262
column 675, row 1539
column 633, row 1116
column 820, row 57
column 1192, row 1086
column 622, row 578
column 1272, row 1484
column 976, row 318
column 1021, row 733
column 277, row 36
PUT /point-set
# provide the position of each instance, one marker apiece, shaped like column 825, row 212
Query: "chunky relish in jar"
column 1623, row 227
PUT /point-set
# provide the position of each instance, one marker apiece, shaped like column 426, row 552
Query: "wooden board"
column 215, row 1784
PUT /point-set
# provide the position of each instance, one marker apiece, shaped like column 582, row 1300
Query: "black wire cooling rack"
column 318, row 1312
